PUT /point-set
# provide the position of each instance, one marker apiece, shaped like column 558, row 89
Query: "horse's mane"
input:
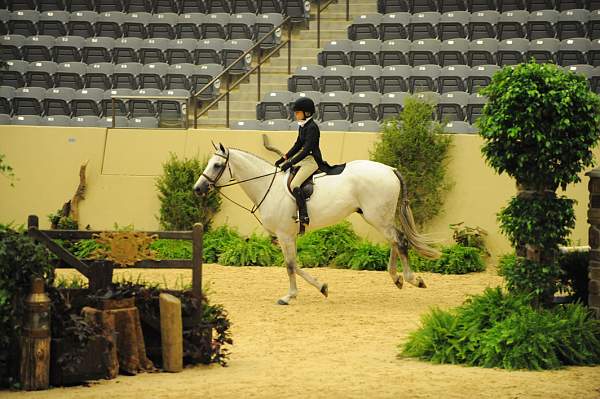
column 251, row 154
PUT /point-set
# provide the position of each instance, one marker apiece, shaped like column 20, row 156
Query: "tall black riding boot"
column 301, row 201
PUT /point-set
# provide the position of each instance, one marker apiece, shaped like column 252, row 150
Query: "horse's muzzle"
column 201, row 189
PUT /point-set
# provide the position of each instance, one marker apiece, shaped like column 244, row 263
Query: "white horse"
column 374, row 190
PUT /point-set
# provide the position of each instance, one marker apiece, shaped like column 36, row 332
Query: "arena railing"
column 230, row 86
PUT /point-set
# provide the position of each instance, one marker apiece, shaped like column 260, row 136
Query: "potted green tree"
column 539, row 126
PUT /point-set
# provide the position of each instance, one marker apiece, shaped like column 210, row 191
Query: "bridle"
column 213, row 184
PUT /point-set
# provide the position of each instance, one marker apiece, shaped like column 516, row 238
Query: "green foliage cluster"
column 524, row 276
column 469, row 236
column 217, row 240
column 62, row 222
column 172, row 249
column 568, row 275
column 364, row 256
column 455, row 259
column 180, row 208
column 414, row 144
column 540, row 124
column 544, row 221
column 321, row 247
column 254, row 251
column 499, row 330
column 6, row 169
column 338, row 246
column 21, row 259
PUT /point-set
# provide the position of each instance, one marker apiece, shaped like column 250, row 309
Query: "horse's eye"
column 216, row 166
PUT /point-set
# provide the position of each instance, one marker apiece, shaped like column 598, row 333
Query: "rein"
column 255, row 207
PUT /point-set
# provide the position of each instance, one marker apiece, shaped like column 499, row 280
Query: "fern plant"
column 254, row 251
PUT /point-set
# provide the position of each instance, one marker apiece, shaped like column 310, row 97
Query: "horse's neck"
column 246, row 166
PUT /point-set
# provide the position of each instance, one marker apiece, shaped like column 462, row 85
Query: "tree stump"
column 106, row 321
column 131, row 349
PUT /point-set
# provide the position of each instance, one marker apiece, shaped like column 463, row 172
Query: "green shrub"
column 499, row 330
column 540, row 124
column 218, row 240
column 544, row 221
column 180, row 208
column 414, row 144
column 254, row 251
column 523, row 276
column 469, row 236
column 320, row 247
column 455, row 259
column 365, row 256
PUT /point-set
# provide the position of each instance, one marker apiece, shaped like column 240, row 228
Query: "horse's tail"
column 419, row 242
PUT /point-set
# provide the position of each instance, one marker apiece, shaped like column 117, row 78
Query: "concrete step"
column 327, row 34
column 251, row 94
column 329, row 25
column 305, row 51
column 296, row 61
column 221, row 114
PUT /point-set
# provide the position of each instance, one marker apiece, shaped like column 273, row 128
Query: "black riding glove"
column 279, row 161
column 285, row 166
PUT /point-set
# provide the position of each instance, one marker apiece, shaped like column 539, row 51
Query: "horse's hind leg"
column 409, row 276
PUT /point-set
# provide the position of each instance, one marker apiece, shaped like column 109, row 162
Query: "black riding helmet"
column 305, row 105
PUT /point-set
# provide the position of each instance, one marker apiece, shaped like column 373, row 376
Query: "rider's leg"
column 308, row 166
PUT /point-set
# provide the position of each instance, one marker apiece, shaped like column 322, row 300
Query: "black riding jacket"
column 307, row 144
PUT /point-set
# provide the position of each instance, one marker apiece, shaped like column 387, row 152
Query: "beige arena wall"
column 123, row 165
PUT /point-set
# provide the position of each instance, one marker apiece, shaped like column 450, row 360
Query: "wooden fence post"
column 197, row 260
column 171, row 332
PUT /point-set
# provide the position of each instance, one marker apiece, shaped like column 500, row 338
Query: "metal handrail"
column 241, row 57
column 237, row 82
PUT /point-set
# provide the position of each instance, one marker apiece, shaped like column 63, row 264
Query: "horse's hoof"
column 325, row 290
column 421, row 283
column 282, row 302
column 399, row 282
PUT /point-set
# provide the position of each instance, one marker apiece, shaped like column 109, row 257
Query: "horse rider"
column 304, row 154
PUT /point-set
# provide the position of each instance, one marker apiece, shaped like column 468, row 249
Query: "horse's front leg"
column 288, row 246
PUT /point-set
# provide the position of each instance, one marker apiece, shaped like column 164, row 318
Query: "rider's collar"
column 302, row 123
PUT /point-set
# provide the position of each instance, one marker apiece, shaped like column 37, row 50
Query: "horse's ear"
column 214, row 145
column 222, row 148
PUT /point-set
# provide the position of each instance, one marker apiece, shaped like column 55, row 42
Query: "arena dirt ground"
column 341, row 347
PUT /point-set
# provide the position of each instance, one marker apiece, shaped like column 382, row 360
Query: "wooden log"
column 106, row 321
column 131, row 349
column 35, row 363
column 171, row 333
